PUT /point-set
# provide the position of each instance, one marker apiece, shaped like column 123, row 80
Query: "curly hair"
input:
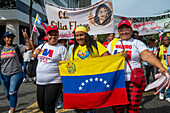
column 107, row 20
column 89, row 42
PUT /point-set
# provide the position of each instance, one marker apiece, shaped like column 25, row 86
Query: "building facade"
column 14, row 16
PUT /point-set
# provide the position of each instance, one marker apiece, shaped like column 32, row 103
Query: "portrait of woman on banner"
column 103, row 15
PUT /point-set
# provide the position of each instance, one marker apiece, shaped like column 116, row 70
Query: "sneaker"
column 24, row 80
column 34, row 78
column 168, row 99
column 60, row 106
column 161, row 96
column 9, row 111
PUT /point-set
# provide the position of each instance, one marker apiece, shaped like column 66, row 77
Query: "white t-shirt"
column 133, row 47
column 47, row 68
column 27, row 56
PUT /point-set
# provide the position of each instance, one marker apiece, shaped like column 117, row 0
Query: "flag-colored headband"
column 81, row 28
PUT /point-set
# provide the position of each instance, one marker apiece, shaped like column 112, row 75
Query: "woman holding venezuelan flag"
column 135, row 51
column 85, row 47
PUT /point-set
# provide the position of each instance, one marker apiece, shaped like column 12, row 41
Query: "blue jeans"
column 25, row 67
column 11, row 85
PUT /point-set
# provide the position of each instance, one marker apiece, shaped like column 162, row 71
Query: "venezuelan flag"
column 39, row 21
column 94, row 83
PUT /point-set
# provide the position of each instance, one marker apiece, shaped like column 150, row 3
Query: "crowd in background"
column 60, row 46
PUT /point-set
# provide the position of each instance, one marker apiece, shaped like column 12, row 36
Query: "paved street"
column 27, row 96
column 27, row 102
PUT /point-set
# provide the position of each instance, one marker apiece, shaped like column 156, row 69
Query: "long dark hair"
column 107, row 20
column 89, row 43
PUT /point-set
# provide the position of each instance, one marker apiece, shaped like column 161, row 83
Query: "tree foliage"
column 102, row 38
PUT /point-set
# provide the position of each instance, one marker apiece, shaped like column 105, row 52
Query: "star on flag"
column 95, row 80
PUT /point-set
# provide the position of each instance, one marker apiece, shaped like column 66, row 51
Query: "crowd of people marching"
column 151, row 57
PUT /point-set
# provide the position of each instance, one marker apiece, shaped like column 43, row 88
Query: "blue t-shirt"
column 168, row 53
column 153, row 51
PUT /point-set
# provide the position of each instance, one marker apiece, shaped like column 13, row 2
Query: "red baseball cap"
column 71, row 41
column 124, row 22
column 51, row 28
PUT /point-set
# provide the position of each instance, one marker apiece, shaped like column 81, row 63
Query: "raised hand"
column 24, row 32
column 28, row 46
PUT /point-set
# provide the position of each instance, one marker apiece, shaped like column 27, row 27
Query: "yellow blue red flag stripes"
column 36, row 30
column 93, row 83
column 39, row 21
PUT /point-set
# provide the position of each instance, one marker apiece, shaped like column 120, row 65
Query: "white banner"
column 98, row 18
column 148, row 25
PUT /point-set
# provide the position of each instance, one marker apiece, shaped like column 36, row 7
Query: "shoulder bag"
column 136, row 73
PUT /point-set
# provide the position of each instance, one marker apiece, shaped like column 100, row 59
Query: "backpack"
column 32, row 65
column 20, row 57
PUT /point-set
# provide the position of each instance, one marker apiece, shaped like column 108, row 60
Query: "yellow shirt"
column 162, row 55
column 82, row 52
